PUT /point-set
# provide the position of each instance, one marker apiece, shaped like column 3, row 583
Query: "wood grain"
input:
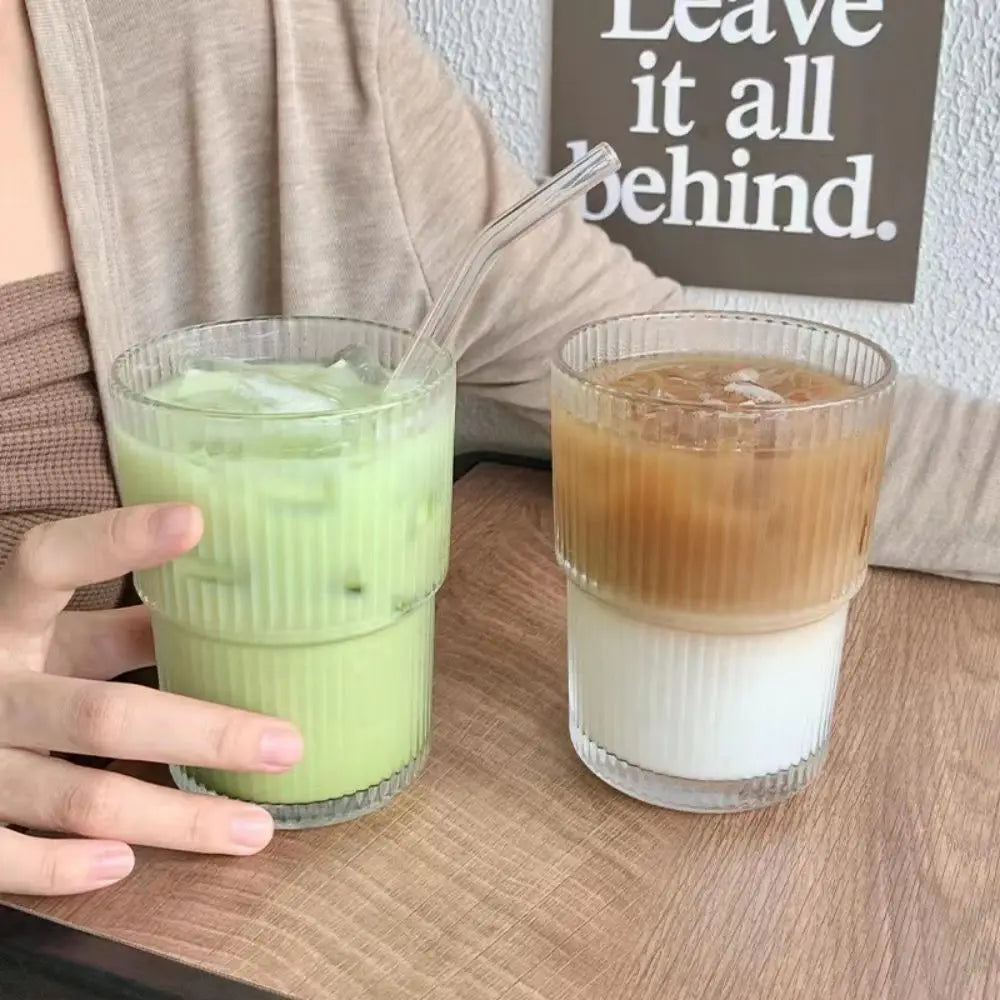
column 508, row 871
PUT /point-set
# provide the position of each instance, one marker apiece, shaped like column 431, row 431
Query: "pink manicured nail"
column 171, row 523
column 251, row 829
column 111, row 865
column 280, row 748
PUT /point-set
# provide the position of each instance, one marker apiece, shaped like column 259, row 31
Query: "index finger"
column 128, row 722
column 56, row 558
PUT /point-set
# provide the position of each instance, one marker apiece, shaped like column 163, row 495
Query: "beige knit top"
column 53, row 456
column 235, row 158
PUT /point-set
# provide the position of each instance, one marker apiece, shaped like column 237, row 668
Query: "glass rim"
column 884, row 382
column 120, row 387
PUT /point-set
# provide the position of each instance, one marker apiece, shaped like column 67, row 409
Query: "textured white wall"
column 952, row 332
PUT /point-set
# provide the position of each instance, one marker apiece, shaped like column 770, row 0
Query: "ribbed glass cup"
column 311, row 594
column 711, row 551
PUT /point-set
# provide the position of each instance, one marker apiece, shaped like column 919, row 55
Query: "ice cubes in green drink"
column 255, row 388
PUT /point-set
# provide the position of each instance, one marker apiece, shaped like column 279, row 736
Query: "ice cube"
column 340, row 375
column 362, row 361
column 206, row 389
column 745, row 375
column 754, row 393
column 236, row 365
column 244, row 390
column 281, row 395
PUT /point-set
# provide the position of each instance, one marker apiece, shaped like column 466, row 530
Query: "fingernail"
column 112, row 865
column 171, row 523
column 252, row 829
column 280, row 748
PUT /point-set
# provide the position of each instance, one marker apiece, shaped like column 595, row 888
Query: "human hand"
column 56, row 695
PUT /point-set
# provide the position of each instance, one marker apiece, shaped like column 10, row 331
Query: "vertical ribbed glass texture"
column 311, row 593
column 711, row 545
column 727, row 519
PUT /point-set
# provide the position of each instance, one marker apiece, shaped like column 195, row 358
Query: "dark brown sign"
column 771, row 145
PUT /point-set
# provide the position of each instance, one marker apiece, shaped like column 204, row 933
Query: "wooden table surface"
column 509, row 871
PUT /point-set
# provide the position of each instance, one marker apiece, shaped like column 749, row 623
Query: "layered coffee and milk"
column 739, row 527
column 713, row 516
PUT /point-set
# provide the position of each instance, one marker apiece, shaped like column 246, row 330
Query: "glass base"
column 308, row 815
column 688, row 795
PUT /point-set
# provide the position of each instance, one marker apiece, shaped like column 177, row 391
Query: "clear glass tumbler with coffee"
column 327, row 504
column 716, row 478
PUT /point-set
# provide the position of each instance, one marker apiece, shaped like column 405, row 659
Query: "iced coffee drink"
column 716, row 478
column 327, row 507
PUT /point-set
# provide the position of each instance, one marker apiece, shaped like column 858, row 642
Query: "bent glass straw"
column 576, row 180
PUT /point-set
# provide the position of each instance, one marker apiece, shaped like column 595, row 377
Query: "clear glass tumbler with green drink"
column 326, row 495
